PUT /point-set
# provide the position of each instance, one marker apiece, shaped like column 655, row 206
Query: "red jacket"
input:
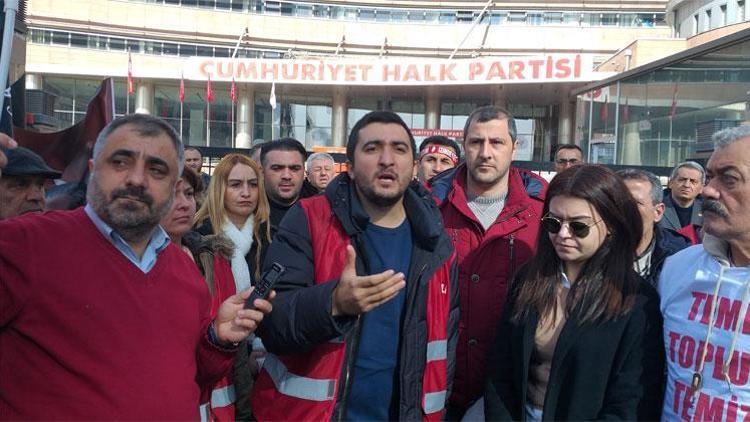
column 486, row 262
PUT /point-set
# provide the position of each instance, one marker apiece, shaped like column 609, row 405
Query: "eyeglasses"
column 578, row 228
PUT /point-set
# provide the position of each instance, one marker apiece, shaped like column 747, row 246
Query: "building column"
column 144, row 97
column 245, row 116
column 338, row 117
column 499, row 98
column 565, row 122
column 34, row 81
column 432, row 108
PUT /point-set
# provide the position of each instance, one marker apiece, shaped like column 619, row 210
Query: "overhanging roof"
column 719, row 43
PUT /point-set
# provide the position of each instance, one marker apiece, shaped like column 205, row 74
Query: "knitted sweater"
column 84, row 334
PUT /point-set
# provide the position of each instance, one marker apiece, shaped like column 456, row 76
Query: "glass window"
column 321, row 11
column 171, row 49
column 553, row 18
column 497, row 18
column 431, row 16
column 740, row 10
column 304, row 10
column 610, row 19
column 224, row 4
column 366, row 14
column 382, row 15
column 399, row 16
column 188, row 50
column 534, row 18
column 517, row 17
column 572, row 18
column 60, row 38
column 447, row 17
column 205, row 51
column 116, row 44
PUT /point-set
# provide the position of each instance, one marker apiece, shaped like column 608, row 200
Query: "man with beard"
column 22, row 188
column 705, row 294
column 101, row 316
column 364, row 327
column 283, row 162
column 491, row 212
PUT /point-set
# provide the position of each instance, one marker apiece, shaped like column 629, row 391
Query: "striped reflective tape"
column 205, row 412
column 434, row 402
column 437, row 350
column 222, row 397
column 298, row 386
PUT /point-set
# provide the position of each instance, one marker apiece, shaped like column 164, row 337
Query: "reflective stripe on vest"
column 434, row 402
column 205, row 411
column 222, row 397
column 437, row 350
column 298, row 386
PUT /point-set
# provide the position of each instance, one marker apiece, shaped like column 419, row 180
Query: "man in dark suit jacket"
column 682, row 200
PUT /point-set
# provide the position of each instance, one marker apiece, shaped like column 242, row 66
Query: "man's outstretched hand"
column 355, row 295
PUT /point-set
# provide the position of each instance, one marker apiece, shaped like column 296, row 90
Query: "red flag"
column 63, row 149
column 131, row 90
column 233, row 92
column 673, row 109
column 209, row 91
column 182, row 89
column 626, row 112
column 604, row 112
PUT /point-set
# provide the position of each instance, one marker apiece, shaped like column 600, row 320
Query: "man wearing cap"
column 22, row 184
column 436, row 154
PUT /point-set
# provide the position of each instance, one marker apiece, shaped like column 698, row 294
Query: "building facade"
column 329, row 62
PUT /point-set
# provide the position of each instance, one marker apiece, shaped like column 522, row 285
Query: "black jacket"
column 670, row 220
column 612, row 370
column 668, row 242
column 302, row 318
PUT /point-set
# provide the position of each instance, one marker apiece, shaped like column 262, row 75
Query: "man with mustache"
column 364, row 327
column 22, row 187
column 682, row 200
column 705, row 295
column 101, row 316
column 491, row 212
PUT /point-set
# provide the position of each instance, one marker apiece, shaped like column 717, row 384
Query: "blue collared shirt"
column 158, row 242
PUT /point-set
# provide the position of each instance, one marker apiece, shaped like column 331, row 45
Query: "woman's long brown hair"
column 607, row 285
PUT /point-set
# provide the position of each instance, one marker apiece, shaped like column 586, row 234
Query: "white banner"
column 398, row 71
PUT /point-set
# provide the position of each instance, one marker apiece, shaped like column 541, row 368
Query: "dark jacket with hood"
column 668, row 243
column 302, row 318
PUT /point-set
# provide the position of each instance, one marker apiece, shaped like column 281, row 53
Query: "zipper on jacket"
column 511, row 255
column 350, row 356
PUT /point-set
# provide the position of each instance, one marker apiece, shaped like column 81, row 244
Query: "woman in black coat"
column 580, row 338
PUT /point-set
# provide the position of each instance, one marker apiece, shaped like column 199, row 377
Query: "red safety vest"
column 304, row 386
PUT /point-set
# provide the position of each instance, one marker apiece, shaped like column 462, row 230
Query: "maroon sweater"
column 85, row 334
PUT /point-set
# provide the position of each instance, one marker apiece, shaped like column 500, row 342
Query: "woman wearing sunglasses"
column 581, row 335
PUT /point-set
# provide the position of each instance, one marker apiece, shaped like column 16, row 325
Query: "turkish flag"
column 182, row 89
column 233, row 91
column 604, row 112
column 131, row 89
column 209, row 90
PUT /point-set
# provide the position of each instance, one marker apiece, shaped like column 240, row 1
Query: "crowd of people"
column 423, row 283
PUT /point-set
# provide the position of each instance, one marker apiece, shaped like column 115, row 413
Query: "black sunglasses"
column 578, row 228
